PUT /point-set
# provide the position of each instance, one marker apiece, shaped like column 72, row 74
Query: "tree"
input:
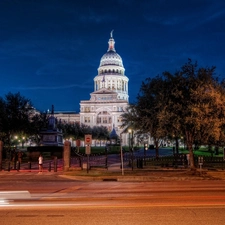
column 189, row 103
column 3, row 119
column 38, row 122
column 194, row 105
column 130, row 119
column 143, row 116
column 100, row 133
column 16, row 112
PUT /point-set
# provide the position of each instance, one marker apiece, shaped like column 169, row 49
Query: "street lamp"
column 145, row 150
column 23, row 140
column 16, row 137
column 129, row 132
column 131, row 142
column 121, row 154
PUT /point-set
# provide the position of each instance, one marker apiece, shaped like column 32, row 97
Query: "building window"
column 87, row 119
column 104, row 119
column 86, row 109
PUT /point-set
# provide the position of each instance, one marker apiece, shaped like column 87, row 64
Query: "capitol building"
column 110, row 98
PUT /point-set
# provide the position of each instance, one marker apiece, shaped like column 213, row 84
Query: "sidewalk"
column 114, row 173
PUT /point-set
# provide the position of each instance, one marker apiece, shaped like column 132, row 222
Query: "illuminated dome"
column 111, row 73
column 111, row 58
column 111, row 62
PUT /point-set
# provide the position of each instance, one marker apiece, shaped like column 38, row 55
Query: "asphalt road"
column 58, row 200
column 114, row 216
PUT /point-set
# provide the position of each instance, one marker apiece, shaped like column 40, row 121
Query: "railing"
column 176, row 161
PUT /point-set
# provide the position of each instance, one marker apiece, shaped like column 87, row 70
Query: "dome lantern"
column 111, row 42
column 111, row 72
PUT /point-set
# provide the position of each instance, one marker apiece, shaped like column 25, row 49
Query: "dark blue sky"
column 50, row 49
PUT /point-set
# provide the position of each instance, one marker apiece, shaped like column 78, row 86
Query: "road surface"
column 57, row 200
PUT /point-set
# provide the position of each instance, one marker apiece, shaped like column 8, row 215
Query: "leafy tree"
column 100, row 133
column 143, row 116
column 150, row 104
column 3, row 119
column 194, row 105
column 38, row 122
column 130, row 119
column 189, row 103
column 104, row 133
column 16, row 112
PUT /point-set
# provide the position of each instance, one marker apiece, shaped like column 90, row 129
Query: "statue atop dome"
column 111, row 42
column 111, row 34
column 111, row 72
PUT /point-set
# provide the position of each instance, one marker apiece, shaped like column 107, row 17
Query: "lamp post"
column 131, row 143
column 129, row 132
column 121, row 154
column 23, row 140
column 16, row 137
column 145, row 150
column 132, row 149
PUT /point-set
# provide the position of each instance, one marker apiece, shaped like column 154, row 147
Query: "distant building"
column 67, row 116
column 110, row 97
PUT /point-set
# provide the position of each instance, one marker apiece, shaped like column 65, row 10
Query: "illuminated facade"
column 110, row 97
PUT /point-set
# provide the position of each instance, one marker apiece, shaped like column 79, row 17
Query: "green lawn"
column 203, row 151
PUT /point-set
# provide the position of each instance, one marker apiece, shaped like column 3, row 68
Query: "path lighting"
column 121, row 154
column 16, row 138
column 23, row 140
column 129, row 132
column 131, row 143
column 145, row 150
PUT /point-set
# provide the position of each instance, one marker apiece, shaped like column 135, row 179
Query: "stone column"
column 66, row 155
column 1, row 150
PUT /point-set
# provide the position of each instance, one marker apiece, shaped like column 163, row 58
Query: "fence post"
column 66, row 155
column 49, row 167
column 17, row 165
column 8, row 165
column 1, row 150
column 29, row 165
column 55, row 164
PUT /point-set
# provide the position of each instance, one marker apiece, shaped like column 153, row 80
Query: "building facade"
column 110, row 98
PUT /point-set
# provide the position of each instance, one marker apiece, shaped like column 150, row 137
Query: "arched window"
column 104, row 118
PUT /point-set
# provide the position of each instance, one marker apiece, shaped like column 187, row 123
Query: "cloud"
column 163, row 20
column 52, row 87
column 94, row 17
column 211, row 16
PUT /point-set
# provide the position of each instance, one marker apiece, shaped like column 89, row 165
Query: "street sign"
column 200, row 160
column 88, row 139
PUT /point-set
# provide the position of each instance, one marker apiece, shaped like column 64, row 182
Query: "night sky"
column 50, row 50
